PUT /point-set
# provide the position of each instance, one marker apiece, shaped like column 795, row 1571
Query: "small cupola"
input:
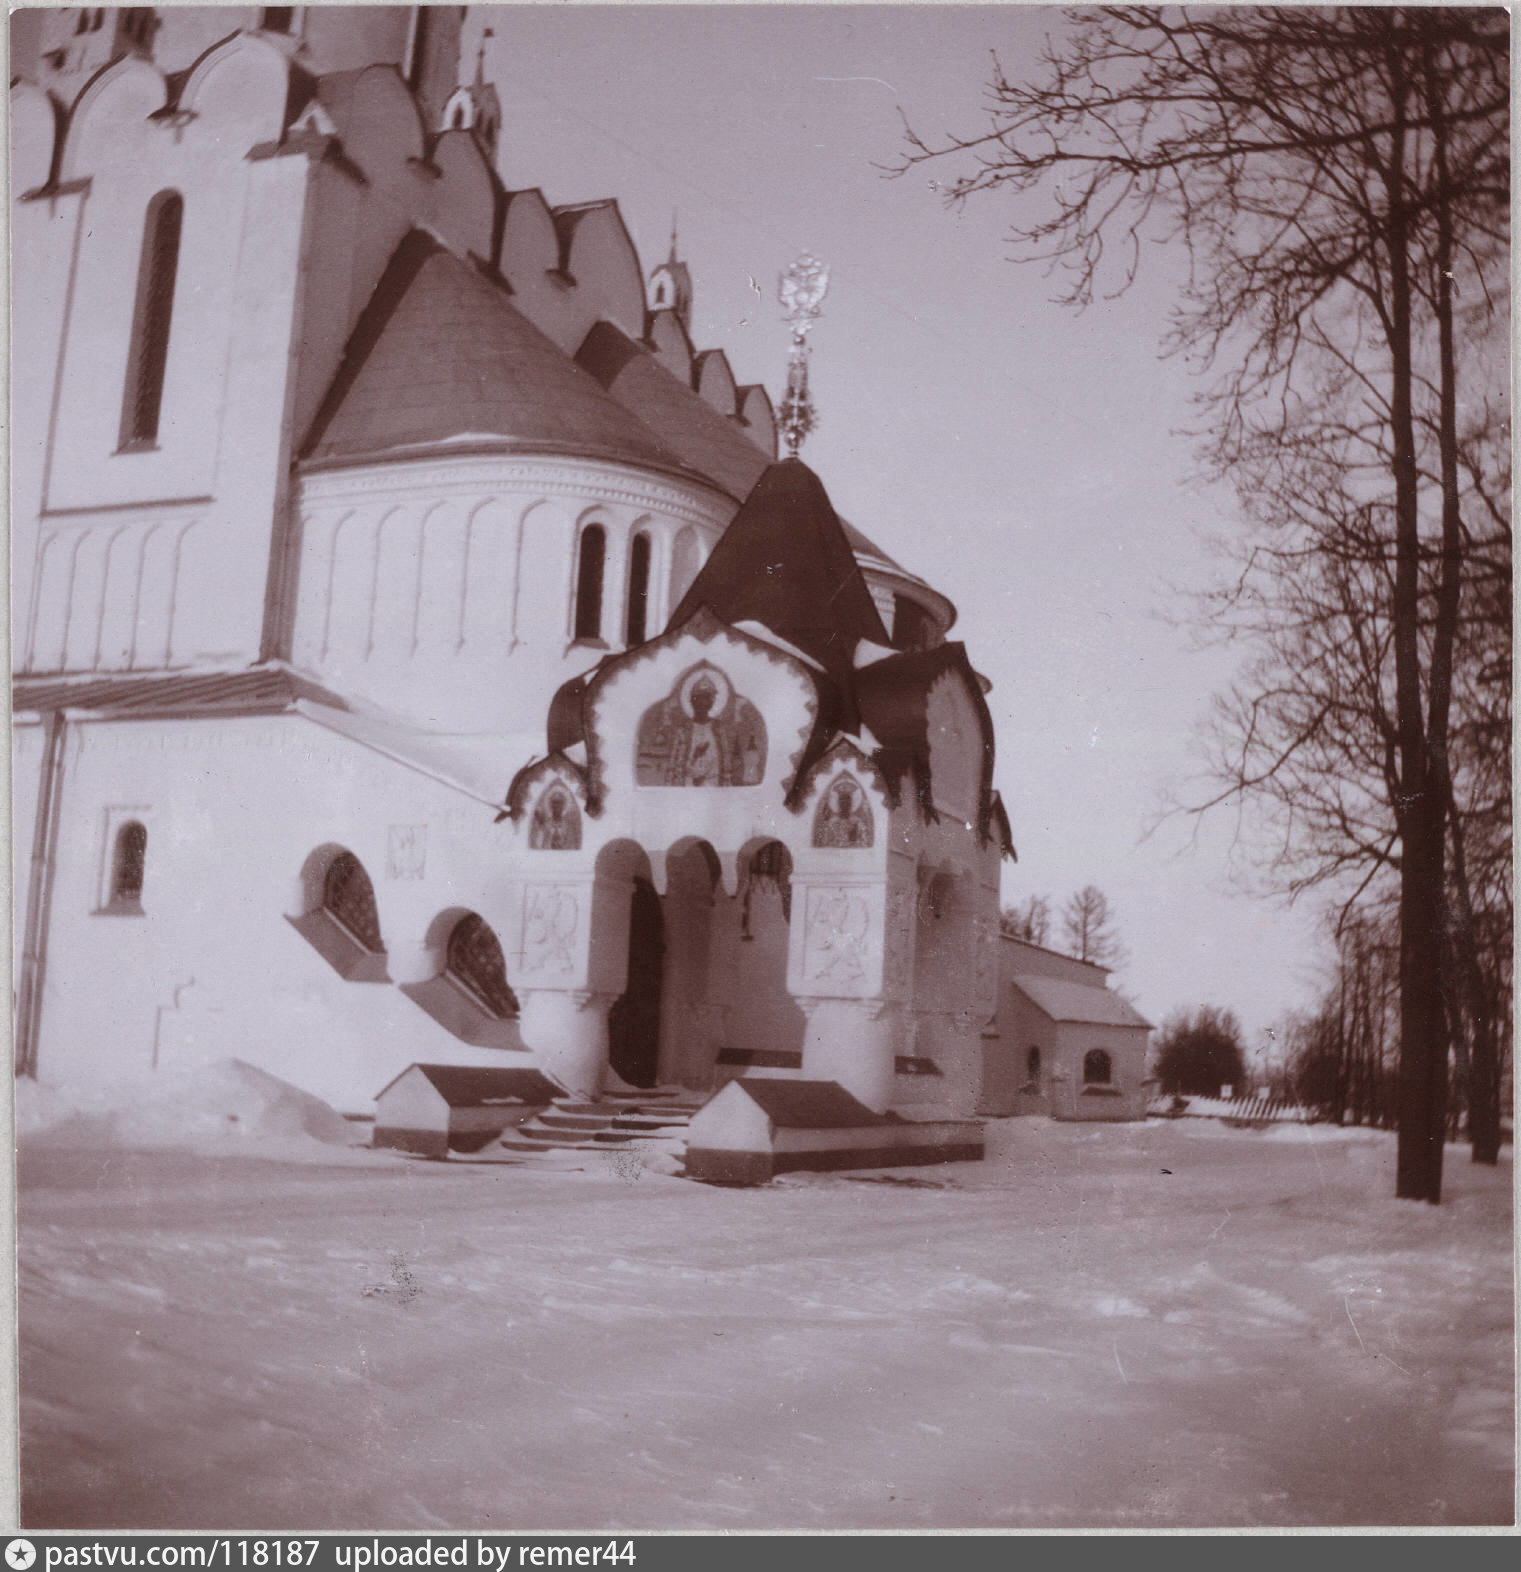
column 670, row 286
column 475, row 107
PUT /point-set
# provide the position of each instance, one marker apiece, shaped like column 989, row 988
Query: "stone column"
column 852, row 1041
column 567, row 1031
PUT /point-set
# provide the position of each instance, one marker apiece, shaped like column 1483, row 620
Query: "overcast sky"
column 1023, row 458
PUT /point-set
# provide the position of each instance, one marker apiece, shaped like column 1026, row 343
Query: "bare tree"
column 1340, row 177
column 1029, row 920
column 1088, row 929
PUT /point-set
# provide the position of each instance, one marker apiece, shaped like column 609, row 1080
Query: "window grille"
column 474, row 959
column 348, row 896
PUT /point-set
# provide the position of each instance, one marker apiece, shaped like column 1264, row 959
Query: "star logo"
column 20, row 1554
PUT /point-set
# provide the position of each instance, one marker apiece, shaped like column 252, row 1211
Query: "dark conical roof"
column 440, row 354
column 786, row 563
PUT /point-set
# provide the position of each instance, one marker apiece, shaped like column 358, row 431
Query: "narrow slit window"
column 149, row 352
column 128, row 859
column 638, row 589
column 589, row 582
column 417, row 48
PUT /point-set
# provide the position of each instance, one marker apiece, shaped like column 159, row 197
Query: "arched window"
column 128, row 859
column 1032, row 1065
column 149, row 351
column 349, row 898
column 685, row 555
column 1097, row 1068
column 638, row 589
column 589, row 582
column 473, row 958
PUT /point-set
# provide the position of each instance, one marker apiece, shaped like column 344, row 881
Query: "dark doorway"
column 633, row 1023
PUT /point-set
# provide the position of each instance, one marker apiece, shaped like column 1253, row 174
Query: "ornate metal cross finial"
column 801, row 290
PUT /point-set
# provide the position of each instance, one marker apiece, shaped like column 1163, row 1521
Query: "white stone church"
column 421, row 654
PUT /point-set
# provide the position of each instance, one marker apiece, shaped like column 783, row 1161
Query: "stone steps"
column 571, row 1126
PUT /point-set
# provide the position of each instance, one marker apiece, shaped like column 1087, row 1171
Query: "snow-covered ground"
column 1155, row 1325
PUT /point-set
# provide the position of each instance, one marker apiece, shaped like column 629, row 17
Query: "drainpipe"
column 39, row 896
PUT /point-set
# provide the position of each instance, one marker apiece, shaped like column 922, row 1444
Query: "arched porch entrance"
column 633, row 1022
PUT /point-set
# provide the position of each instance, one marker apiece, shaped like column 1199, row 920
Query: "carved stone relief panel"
column 702, row 734
column 837, row 936
column 406, row 851
column 551, row 918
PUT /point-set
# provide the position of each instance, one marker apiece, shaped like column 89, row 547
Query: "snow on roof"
column 1075, row 1001
column 467, row 1086
column 479, row 764
column 810, row 1105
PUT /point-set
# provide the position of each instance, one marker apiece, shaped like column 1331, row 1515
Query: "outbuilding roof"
column 440, row 354
column 1075, row 1001
column 468, row 1086
column 810, row 1105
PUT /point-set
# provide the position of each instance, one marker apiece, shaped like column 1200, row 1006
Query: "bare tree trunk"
column 1422, row 1090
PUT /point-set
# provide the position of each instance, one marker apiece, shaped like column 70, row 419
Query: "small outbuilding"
column 753, row 1129
column 1069, row 1046
column 435, row 1109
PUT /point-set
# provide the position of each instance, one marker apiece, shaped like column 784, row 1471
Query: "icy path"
column 1136, row 1326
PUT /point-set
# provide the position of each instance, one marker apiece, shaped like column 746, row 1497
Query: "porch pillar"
column 567, row 1031
column 853, row 1042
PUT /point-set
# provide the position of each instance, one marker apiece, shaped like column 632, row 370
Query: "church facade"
column 421, row 653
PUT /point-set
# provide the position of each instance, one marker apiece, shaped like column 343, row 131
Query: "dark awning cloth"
column 785, row 562
column 441, row 353
column 468, row 1086
column 811, row 1105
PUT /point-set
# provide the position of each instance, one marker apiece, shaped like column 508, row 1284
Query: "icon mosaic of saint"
column 843, row 818
column 702, row 734
column 556, row 824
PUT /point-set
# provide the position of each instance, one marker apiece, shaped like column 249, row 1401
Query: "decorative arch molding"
column 244, row 79
column 531, row 782
column 36, row 123
column 598, row 254
column 842, row 755
column 590, row 481
column 713, row 382
column 382, row 121
column 704, row 627
column 127, row 91
column 529, row 246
